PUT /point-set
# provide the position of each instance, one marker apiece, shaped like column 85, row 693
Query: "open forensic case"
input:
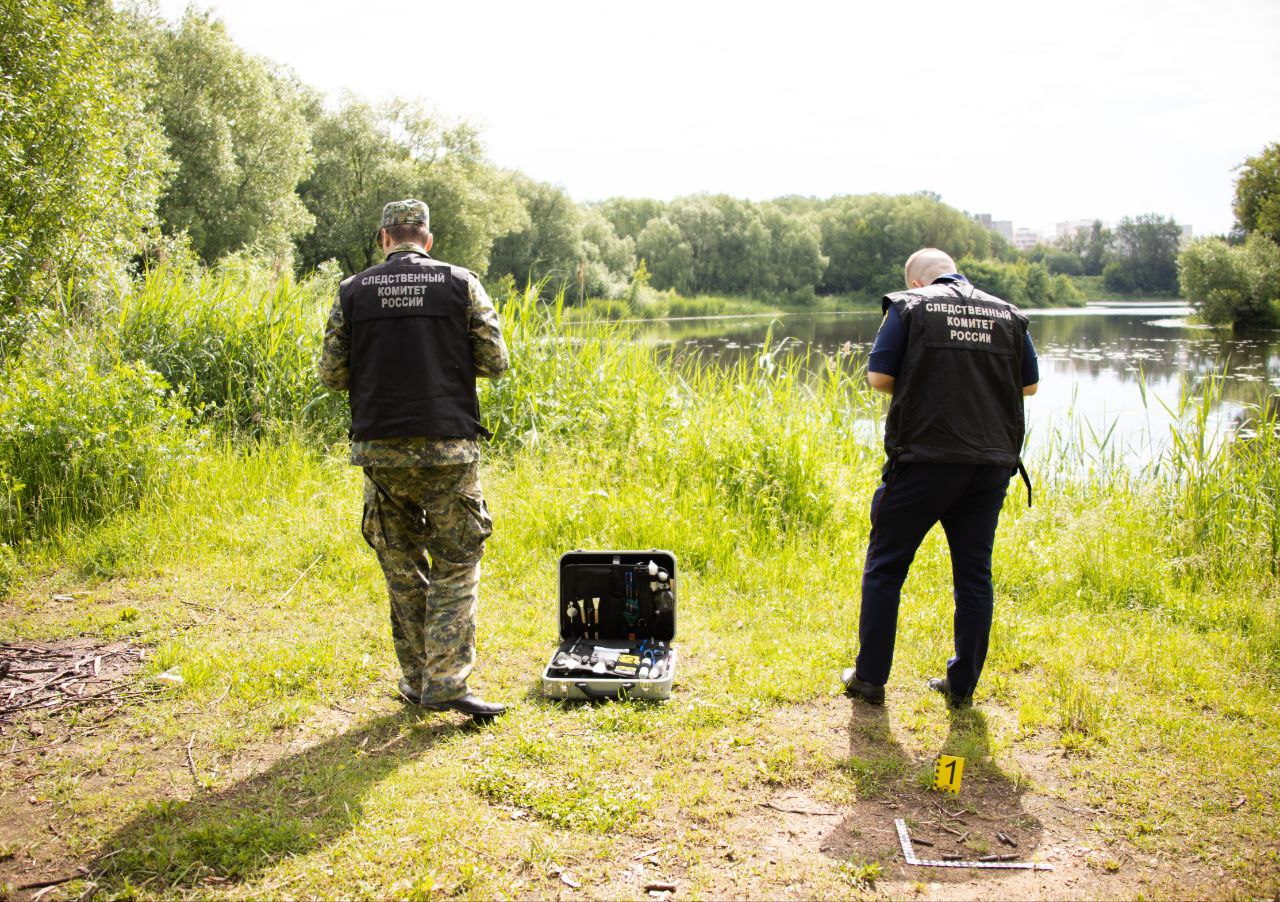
column 617, row 619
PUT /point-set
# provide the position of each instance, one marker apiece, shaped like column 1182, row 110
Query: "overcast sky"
column 1032, row 112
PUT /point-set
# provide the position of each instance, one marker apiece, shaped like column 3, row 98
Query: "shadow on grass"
column 892, row 783
column 876, row 761
column 298, row 804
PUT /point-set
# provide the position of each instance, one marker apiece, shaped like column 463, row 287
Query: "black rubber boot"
column 468, row 704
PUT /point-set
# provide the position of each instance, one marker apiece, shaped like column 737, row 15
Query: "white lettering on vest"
column 966, row 322
column 979, row 337
column 426, row 276
column 388, row 303
column 968, row 310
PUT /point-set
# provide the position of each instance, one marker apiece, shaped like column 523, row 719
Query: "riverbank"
column 1123, row 732
column 669, row 305
column 1092, row 289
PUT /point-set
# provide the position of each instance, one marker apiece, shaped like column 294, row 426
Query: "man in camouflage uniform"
column 406, row 339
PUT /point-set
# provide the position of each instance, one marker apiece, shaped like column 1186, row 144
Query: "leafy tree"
column 367, row 155
column 358, row 168
column 472, row 202
column 238, row 135
column 547, row 242
column 1118, row 278
column 629, row 215
column 1233, row 285
column 1064, row 262
column 1065, row 293
column 669, row 256
column 1037, row 285
column 798, row 203
column 81, row 159
column 795, row 260
column 729, row 241
column 571, row 246
column 605, row 259
column 1094, row 254
column 1091, row 248
column 1146, row 255
column 1005, row 280
column 867, row 238
column 1024, row 283
column 1257, row 201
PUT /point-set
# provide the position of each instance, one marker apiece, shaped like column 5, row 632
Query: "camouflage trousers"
column 428, row 526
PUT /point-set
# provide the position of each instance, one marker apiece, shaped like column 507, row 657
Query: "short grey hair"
column 927, row 264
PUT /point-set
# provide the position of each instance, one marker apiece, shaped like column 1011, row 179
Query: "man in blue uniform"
column 958, row 363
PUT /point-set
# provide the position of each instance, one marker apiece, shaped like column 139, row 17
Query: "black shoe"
column 468, row 704
column 405, row 691
column 856, row 688
column 940, row 684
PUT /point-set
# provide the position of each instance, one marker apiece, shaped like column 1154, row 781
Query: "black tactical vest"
column 958, row 396
column 412, row 370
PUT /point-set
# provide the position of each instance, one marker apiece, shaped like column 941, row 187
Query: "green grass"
column 1136, row 643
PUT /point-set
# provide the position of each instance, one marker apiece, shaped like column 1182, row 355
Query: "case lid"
column 634, row 603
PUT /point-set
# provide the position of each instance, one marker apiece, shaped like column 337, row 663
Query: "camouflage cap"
column 403, row 212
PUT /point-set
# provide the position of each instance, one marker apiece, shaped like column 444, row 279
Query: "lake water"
column 1095, row 362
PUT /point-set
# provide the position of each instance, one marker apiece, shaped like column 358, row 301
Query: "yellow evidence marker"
column 947, row 772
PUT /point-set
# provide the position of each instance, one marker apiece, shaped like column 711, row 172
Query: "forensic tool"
column 631, row 605
column 953, row 861
column 619, row 607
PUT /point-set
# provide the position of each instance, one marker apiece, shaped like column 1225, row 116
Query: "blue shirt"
column 891, row 344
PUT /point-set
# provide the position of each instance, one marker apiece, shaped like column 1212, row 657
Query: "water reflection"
column 1111, row 368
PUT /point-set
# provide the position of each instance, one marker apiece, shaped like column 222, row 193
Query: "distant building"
column 999, row 226
column 1024, row 238
column 1073, row 227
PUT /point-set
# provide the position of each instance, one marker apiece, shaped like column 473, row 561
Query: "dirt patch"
column 53, row 698
column 47, row 678
column 794, row 835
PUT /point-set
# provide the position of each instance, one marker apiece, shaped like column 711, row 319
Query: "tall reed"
column 241, row 345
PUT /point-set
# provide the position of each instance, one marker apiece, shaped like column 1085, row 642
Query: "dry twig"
column 191, row 764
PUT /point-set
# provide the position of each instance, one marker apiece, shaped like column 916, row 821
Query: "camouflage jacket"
column 490, row 353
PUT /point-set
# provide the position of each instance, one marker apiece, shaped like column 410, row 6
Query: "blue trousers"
column 911, row 498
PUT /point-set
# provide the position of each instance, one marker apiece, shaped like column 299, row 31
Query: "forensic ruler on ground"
column 909, row 852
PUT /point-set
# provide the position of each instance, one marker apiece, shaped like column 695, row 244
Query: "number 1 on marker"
column 947, row 773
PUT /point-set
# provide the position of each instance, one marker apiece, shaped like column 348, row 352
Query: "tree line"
column 128, row 139
column 1138, row 256
column 1236, row 280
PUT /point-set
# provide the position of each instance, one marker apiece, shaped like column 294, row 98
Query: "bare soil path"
column 820, row 832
